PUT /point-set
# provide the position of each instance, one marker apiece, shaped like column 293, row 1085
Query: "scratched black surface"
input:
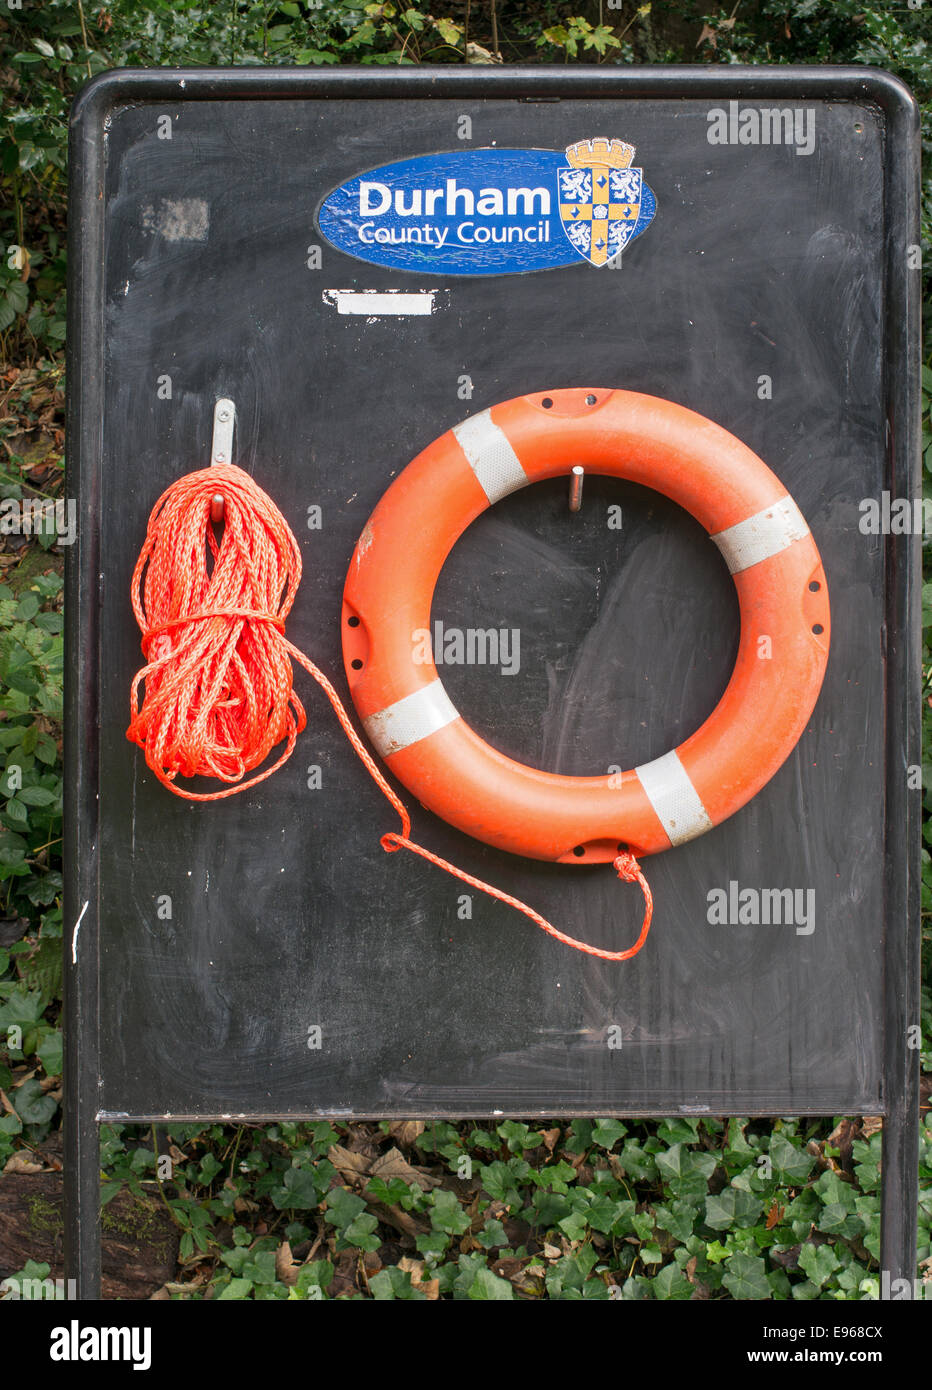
column 285, row 912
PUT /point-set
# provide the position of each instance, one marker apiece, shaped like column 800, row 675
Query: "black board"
column 286, row 915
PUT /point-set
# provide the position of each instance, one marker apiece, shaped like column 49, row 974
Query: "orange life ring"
column 756, row 525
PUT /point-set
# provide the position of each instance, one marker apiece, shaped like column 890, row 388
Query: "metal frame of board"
column 86, row 346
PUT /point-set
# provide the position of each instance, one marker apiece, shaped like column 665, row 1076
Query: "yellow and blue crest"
column 604, row 201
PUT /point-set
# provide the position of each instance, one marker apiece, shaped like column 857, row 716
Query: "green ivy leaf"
column 49, row 1053
column 446, row 1213
column 392, row 1283
column 574, row 1226
column 32, row 1105
column 314, row 1279
column 236, row 1289
column 488, row 1286
column 300, row 1190
column 671, row 1284
column 679, row 1218
column 819, row 1262
column 791, row 1162
column 606, row 1133
column 746, row 1277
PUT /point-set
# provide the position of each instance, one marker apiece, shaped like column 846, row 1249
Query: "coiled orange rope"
column 219, row 692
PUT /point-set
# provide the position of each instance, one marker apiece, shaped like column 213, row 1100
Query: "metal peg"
column 221, row 449
column 576, row 482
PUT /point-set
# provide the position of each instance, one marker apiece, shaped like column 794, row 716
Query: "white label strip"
column 762, row 535
column 382, row 303
column 677, row 803
column 490, row 456
column 411, row 718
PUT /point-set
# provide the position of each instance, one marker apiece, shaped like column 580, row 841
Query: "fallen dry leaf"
column 344, row 1274
column 842, row 1137
column 192, row 1286
column 19, row 1163
column 871, row 1124
column 529, row 1280
column 475, row 53
column 286, row 1266
column 551, row 1138
column 508, row 1266
column 347, row 1164
column 775, row 1214
column 407, row 1131
column 393, row 1164
column 619, row 1173
column 429, row 1287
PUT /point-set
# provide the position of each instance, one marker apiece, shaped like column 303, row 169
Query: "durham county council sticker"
column 493, row 211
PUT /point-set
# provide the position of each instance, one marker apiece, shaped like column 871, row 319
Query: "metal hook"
column 221, row 448
column 576, row 482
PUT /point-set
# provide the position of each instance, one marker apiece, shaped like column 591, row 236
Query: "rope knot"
column 391, row 842
column 627, row 867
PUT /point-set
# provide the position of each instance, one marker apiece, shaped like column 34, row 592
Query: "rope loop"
column 219, row 689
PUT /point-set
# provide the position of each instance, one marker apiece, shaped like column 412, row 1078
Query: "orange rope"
column 219, row 681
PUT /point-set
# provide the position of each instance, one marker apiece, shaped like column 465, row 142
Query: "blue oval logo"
column 493, row 212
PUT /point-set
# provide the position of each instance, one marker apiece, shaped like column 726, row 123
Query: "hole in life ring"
column 817, row 628
column 546, row 402
column 356, row 664
column 579, row 851
column 584, row 615
column 815, row 586
column 353, row 621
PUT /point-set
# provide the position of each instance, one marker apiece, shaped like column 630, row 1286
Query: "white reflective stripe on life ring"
column 670, row 791
column 762, row 535
column 490, row 456
column 411, row 718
